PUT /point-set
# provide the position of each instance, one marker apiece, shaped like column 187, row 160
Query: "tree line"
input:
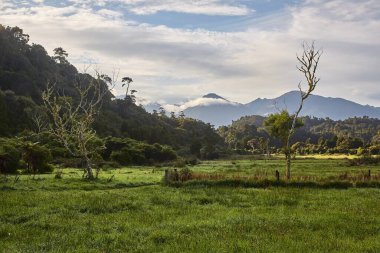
column 315, row 136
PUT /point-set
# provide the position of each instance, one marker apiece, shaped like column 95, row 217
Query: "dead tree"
column 308, row 64
column 71, row 118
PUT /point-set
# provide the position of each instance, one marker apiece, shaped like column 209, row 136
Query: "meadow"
column 130, row 210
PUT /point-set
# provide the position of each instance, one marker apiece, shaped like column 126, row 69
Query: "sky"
column 177, row 50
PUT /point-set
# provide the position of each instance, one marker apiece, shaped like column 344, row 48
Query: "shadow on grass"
column 273, row 183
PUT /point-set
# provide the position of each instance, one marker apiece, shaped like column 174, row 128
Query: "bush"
column 209, row 152
column 364, row 160
column 37, row 158
column 129, row 152
column 9, row 157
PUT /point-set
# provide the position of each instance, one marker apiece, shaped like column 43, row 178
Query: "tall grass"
column 261, row 179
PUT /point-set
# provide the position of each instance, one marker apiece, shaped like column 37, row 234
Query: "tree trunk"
column 90, row 174
column 288, row 157
column 288, row 163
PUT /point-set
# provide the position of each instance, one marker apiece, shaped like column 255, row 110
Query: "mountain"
column 218, row 114
column 218, row 111
column 315, row 105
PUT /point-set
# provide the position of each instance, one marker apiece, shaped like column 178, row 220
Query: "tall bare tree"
column 71, row 118
column 308, row 64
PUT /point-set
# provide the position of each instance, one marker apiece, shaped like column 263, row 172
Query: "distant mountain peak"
column 214, row 96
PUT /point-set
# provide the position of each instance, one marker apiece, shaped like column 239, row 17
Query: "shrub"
column 209, row 152
column 122, row 157
column 128, row 152
column 9, row 157
column 364, row 160
column 37, row 158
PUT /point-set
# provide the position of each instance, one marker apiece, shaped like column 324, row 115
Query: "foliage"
column 37, row 158
column 279, row 125
column 9, row 156
column 129, row 151
column 314, row 137
column 364, row 160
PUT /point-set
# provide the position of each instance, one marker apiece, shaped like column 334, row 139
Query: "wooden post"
column 369, row 174
column 277, row 175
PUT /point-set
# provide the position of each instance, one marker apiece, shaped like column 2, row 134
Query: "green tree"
column 279, row 126
column 60, row 55
column 37, row 157
column 308, row 64
column 9, row 156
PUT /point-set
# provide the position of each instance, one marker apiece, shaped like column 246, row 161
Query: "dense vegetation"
column 354, row 135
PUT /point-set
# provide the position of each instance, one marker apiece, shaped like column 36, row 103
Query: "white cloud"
column 207, row 7
column 195, row 102
column 148, row 7
column 170, row 64
column 5, row 4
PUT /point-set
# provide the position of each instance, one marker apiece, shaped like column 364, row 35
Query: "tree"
column 17, row 34
column 282, row 128
column 264, row 146
column 36, row 157
column 60, row 55
column 71, row 119
column 9, row 157
column 279, row 126
column 162, row 112
column 127, row 81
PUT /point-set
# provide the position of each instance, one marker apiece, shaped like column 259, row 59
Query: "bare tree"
column 71, row 119
column 308, row 64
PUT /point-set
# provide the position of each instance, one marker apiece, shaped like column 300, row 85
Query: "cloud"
column 149, row 7
column 205, row 7
column 174, row 64
column 195, row 102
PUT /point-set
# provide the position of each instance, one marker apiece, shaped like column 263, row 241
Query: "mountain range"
column 218, row 111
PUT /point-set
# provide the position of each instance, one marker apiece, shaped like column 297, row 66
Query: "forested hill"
column 25, row 70
column 364, row 130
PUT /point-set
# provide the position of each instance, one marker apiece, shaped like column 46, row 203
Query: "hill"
column 25, row 70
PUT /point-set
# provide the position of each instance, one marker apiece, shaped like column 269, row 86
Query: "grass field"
column 134, row 212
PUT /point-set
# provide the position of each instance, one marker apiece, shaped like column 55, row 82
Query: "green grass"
column 136, row 213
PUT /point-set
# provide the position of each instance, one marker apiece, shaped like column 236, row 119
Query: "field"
column 129, row 210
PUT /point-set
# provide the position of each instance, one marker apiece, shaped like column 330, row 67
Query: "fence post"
column 277, row 175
